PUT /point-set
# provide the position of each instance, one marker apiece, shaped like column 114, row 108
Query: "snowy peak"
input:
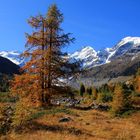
column 127, row 46
column 13, row 56
column 84, row 53
column 87, row 55
column 133, row 40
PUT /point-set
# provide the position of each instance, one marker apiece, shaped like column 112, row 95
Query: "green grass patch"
column 51, row 111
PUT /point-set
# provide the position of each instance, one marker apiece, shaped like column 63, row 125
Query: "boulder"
column 65, row 119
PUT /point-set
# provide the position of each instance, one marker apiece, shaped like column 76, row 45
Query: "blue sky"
column 98, row 23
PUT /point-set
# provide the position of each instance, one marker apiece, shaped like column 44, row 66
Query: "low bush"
column 22, row 113
column 104, row 97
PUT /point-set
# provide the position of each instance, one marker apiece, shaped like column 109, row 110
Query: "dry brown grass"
column 85, row 125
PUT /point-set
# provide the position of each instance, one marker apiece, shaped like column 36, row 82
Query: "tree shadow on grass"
column 36, row 126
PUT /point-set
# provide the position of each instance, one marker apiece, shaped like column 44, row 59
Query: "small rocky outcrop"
column 65, row 119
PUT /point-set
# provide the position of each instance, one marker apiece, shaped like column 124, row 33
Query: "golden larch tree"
column 48, row 67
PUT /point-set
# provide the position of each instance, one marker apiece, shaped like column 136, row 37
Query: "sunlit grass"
column 84, row 125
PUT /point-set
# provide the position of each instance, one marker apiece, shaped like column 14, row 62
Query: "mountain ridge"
column 128, row 45
column 90, row 57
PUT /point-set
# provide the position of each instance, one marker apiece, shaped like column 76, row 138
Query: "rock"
column 87, row 123
column 101, row 107
column 55, row 102
column 108, row 122
column 65, row 119
column 70, row 104
column 94, row 106
column 67, row 101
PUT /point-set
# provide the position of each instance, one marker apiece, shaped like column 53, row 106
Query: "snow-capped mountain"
column 87, row 55
column 13, row 56
column 90, row 57
column 128, row 45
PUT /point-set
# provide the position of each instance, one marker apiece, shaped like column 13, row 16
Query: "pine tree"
column 82, row 89
column 47, row 64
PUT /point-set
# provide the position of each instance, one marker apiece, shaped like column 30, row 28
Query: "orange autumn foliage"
column 24, row 86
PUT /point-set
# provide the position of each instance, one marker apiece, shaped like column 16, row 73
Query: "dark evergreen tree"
column 82, row 89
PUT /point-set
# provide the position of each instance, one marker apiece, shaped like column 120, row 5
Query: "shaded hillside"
column 123, row 67
column 8, row 67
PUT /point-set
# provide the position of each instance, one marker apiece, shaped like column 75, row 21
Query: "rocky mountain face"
column 124, row 67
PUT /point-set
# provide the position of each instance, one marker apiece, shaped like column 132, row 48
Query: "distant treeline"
column 5, row 82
